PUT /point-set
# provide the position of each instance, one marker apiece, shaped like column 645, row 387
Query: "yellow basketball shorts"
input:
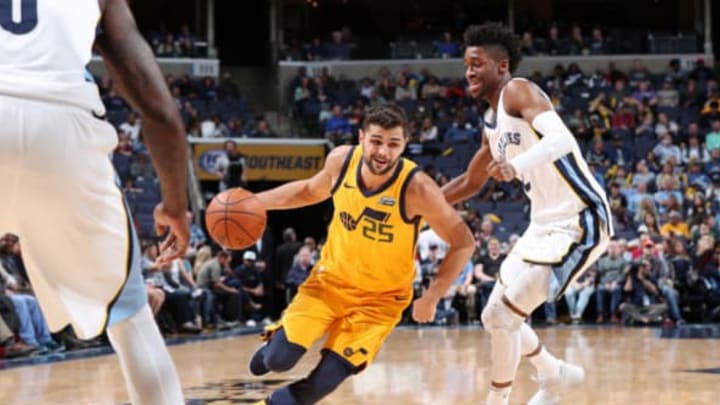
column 357, row 323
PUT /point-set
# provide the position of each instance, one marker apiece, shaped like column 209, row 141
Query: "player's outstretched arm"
column 472, row 180
column 524, row 99
column 425, row 199
column 137, row 76
column 310, row 191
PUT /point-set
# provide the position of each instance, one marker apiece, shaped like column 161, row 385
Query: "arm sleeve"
column 557, row 141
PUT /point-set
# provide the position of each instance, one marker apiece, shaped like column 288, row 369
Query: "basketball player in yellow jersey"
column 363, row 281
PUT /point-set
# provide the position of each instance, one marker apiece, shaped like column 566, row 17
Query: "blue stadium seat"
column 643, row 145
column 122, row 164
column 485, row 207
column 402, row 50
column 688, row 115
column 425, row 50
column 514, row 220
column 423, row 161
column 117, row 117
column 502, row 233
column 514, row 206
column 409, row 105
column 672, row 112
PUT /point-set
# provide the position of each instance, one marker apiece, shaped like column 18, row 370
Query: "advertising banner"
column 265, row 159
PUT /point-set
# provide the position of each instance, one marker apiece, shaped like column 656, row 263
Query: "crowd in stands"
column 213, row 289
column 23, row 329
column 652, row 140
column 649, row 138
column 552, row 40
column 210, row 108
column 208, row 289
column 183, row 43
column 337, row 46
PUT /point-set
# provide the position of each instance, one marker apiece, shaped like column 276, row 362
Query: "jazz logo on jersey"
column 508, row 138
column 374, row 226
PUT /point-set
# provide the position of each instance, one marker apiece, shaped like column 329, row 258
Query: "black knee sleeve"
column 281, row 354
column 332, row 370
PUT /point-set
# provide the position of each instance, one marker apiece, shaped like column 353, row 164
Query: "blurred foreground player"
column 60, row 194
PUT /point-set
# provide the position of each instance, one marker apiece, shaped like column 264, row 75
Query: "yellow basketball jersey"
column 371, row 242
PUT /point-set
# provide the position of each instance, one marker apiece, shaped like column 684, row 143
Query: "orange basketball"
column 235, row 219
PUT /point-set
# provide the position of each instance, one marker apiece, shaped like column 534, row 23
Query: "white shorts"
column 568, row 247
column 61, row 198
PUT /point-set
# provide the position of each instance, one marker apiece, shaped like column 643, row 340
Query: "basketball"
column 235, row 219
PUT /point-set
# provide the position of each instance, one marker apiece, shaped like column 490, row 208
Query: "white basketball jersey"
column 44, row 48
column 557, row 190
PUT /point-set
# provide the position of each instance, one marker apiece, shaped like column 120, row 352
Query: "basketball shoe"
column 552, row 386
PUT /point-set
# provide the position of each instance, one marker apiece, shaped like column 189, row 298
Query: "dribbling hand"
column 424, row 309
column 501, row 170
column 176, row 242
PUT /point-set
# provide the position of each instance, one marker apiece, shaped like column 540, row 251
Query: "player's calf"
column 332, row 370
column 503, row 321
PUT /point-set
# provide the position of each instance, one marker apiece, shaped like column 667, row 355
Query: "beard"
column 370, row 163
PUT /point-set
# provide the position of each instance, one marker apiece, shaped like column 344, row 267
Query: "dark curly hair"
column 386, row 116
column 497, row 35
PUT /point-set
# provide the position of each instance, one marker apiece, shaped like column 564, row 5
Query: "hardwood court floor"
column 417, row 366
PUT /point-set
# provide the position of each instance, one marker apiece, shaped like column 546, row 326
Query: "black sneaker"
column 40, row 351
column 54, row 347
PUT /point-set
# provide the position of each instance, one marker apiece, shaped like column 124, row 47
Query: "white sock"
column 150, row 374
column 545, row 363
column 498, row 396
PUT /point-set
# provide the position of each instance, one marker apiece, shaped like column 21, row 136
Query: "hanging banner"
column 265, row 159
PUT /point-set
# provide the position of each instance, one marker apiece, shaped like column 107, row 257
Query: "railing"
column 195, row 67
column 453, row 68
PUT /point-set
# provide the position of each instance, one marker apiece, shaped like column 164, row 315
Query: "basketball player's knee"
column 497, row 316
column 282, row 355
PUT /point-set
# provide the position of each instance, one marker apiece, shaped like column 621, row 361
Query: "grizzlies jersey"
column 45, row 46
column 371, row 242
column 557, row 190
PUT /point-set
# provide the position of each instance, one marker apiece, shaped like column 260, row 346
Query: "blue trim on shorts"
column 579, row 252
column 576, row 179
column 133, row 296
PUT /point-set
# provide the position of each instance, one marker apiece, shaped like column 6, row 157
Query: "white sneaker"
column 251, row 323
column 551, row 387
